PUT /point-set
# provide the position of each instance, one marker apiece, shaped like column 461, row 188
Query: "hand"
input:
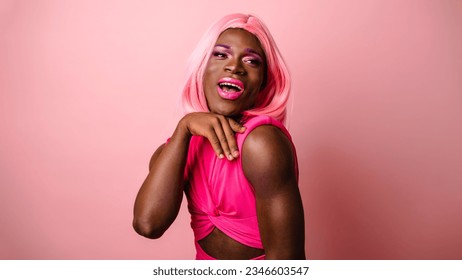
column 218, row 129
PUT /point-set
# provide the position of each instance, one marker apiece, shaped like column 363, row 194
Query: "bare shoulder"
column 268, row 158
column 267, row 141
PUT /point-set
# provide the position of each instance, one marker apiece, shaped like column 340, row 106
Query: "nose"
column 234, row 66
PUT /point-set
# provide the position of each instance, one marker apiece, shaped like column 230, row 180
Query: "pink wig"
column 271, row 101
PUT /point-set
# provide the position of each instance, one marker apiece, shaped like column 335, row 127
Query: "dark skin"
column 267, row 160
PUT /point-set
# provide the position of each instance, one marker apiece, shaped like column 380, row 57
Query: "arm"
column 269, row 165
column 159, row 198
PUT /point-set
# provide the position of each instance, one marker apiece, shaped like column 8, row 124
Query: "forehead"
column 240, row 39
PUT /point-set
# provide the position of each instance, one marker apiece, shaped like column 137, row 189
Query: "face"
column 235, row 73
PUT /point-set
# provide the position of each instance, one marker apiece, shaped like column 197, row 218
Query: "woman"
column 230, row 154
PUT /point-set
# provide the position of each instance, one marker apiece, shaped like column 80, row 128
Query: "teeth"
column 231, row 85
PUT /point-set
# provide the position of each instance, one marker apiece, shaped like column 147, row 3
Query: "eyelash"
column 220, row 54
column 251, row 61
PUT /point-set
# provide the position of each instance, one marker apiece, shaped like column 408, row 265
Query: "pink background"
column 89, row 89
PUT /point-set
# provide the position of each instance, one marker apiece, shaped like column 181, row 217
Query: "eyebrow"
column 252, row 51
column 223, row 46
column 247, row 50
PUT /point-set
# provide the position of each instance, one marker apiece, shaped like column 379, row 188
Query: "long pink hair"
column 271, row 101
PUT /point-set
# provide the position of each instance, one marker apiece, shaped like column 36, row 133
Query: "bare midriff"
column 222, row 247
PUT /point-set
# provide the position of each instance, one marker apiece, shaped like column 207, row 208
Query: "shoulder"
column 260, row 121
column 267, row 137
column 268, row 157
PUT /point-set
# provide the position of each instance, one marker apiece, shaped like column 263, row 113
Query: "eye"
column 220, row 55
column 252, row 61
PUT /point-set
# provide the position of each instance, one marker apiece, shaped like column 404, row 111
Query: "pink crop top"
column 219, row 195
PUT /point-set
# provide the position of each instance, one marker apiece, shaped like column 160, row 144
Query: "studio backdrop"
column 89, row 89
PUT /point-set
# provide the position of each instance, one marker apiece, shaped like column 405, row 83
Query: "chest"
column 215, row 182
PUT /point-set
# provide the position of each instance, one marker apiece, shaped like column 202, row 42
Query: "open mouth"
column 229, row 88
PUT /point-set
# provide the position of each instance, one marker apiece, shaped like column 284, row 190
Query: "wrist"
column 182, row 130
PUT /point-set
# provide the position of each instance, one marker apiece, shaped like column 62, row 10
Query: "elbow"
column 148, row 229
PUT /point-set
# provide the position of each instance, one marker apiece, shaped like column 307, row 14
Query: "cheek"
column 211, row 68
column 209, row 82
column 259, row 82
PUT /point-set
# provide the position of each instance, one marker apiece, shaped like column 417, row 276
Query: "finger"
column 218, row 138
column 230, row 135
column 235, row 126
column 223, row 132
column 215, row 142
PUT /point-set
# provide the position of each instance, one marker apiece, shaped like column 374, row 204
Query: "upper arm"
column 155, row 155
column 268, row 161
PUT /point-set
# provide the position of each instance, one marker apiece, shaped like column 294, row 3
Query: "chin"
column 227, row 112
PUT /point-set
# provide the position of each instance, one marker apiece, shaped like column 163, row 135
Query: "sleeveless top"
column 219, row 195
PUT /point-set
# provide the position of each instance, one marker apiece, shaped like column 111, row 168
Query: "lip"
column 230, row 95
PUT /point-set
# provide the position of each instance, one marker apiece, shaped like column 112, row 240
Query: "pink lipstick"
column 229, row 88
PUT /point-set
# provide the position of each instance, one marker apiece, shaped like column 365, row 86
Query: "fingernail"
column 221, row 156
column 236, row 154
column 230, row 157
